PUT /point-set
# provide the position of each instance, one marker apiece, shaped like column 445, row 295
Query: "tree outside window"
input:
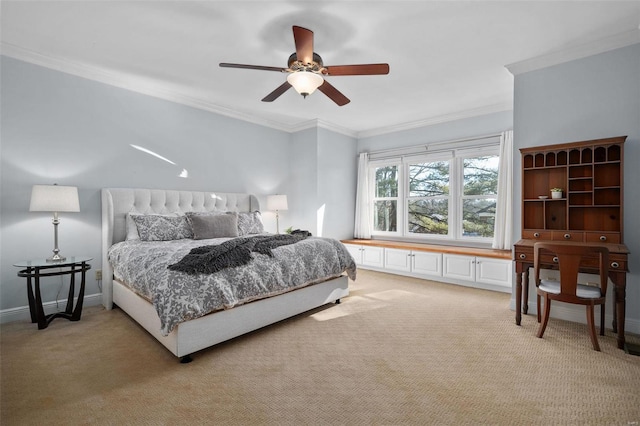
column 428, row 203
column 385, row 211
column 480, row 188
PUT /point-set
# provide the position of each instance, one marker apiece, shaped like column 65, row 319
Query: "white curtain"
column 362, row 227
column 504, row 205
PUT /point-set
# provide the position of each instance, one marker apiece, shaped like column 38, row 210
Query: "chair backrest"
column 569, row 257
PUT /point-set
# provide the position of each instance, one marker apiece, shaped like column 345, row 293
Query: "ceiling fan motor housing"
column 295, row 65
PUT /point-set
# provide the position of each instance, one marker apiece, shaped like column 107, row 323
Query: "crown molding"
column 489, row 109
column 572, row 53
column 317, row 123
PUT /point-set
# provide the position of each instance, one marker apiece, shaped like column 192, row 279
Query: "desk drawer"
column 574, row 236
column 603, row 237
column 536, row 235
column 617, row 262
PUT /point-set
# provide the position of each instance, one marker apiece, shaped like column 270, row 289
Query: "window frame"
column 456, row 197
column 373, row 165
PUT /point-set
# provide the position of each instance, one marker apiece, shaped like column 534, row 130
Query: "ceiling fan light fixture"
column 305, row 82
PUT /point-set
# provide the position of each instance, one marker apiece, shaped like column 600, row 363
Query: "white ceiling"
column 447, row 58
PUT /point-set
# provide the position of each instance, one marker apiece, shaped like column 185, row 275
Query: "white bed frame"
column 200, row 333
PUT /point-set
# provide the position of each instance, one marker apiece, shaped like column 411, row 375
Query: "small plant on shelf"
column 556, row 192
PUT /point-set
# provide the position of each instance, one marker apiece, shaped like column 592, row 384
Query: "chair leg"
column 602, row 319
column 538, row 306
column 545, row 317
column 592, row 328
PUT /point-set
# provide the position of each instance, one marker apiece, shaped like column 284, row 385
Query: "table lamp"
column 277, row 203
column 54, row 198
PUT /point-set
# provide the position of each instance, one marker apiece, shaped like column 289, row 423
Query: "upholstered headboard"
column 117, row 202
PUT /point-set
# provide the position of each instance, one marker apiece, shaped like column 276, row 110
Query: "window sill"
column 440, row 248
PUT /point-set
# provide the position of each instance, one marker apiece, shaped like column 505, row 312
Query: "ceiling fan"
column 306, row 70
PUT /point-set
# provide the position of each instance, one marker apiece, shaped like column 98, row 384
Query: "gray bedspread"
column 179, row 297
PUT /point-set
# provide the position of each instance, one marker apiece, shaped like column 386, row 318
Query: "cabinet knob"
column 555, row 259
column 536, row 235
column 615, row 265
column 523, row 256
column 603, row 238
column 567, row 236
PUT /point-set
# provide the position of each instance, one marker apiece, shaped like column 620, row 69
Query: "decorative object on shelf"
column 277, row 203
column 543, row 197
column 54, row 198
column 556, row 192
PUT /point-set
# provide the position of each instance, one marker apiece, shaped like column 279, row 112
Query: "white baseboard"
column 575, row 313
column 22, row 313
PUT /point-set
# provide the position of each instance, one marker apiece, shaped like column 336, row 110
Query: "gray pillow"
column 214, row 226
column 153, row 227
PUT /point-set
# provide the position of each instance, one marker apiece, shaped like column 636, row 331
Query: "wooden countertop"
column 468, row 251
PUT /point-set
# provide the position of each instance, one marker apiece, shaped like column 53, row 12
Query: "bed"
column 197, row 331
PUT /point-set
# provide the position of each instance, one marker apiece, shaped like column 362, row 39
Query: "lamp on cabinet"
column 54, row 198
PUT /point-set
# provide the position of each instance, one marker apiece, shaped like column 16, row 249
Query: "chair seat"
column 583, row 291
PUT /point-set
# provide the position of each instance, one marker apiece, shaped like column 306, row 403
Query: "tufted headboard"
column 117, row 202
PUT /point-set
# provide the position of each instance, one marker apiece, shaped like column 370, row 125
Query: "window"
column 428, row 201
column 479, row 190
column 447, row 195
column 385, row 199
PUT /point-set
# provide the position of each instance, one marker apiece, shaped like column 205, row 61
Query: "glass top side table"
column 36, row 268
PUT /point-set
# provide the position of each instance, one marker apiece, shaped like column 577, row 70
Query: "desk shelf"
column 589, row 172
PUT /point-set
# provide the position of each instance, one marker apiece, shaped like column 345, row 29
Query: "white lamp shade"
column 54, row 198
column 305, row 82
column 276, row 202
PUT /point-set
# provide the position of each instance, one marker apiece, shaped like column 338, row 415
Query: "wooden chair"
column 567, row 289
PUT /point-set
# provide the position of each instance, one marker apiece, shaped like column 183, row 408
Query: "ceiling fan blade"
column 304, row 44
column 363, row 69
column 276, row 93
column 252, row 67
column 334, row 94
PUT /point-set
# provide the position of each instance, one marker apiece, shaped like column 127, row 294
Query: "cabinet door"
column 494, row 271
column 373, row 256
column 459, row 266
column 427, row 263
column 397, row 260
column 356, row 253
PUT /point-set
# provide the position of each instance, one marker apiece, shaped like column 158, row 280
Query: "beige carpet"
column 397, row 351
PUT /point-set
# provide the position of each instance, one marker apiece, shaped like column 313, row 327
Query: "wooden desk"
column 618, row 268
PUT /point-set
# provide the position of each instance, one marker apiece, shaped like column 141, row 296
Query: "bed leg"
column 337, row 301
column 186, row 359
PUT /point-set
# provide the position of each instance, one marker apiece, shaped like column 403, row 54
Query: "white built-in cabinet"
column 476, row 271
column 367, row 255
column 417, row 262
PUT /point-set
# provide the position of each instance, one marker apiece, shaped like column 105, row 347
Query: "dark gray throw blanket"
column 232, row 253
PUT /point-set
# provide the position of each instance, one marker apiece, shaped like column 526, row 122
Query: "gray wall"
column 323, row 176
column 590, row 98
column 58, row 128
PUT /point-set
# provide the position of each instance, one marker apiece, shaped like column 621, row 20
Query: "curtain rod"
column 434, row 144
